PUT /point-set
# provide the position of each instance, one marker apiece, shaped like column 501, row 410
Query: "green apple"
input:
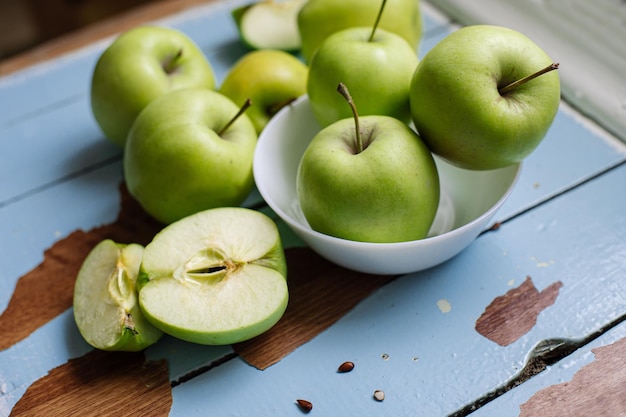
column 378, row 71
column 106, row 309
column 369, row 179
column 468, row 105
column 269, row 24
column 269, row 78
column 188, row 151
column 216, row 277
column 318, row 19
column 140, row 65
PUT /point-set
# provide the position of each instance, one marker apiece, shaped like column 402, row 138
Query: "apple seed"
column 379, row 395
column 346, row 367
column 305, row 405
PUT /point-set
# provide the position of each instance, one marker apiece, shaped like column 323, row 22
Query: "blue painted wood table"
column 527, row 321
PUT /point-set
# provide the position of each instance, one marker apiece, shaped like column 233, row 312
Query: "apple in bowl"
column 468, row 201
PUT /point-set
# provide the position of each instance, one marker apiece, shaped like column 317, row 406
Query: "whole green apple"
column 379, row 185
column 183, row 155
column 269, row 78
column 106, row 307
column 216, row 277
column 269, row 24
column 378, row 72
column 467, row 105
column 318, row 19
column 140, row 65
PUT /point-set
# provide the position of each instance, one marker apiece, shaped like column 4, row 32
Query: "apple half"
column 105, row 299
column 269, row 24
column 216, row 277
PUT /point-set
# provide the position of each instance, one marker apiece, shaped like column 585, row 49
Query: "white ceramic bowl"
column 469, row 200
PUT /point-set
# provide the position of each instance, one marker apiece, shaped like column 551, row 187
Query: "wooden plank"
column 425, row 322
column 416, row 337
column 97, row 31
column 589, row 382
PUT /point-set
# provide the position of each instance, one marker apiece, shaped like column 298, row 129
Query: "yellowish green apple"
column 188, row 151
column 484, row 97
column 376, row 64
column 368, row 179
column 269, row 78
column 140, row 65
column 318, row 19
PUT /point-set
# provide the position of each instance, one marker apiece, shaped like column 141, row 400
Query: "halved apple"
column 269, row 24
column 216, row 277
column 105, row 299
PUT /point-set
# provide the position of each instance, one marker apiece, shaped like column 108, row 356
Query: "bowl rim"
column 306, row 229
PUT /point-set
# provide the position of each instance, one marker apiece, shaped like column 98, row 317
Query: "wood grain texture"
column 598, row 389
column 47, row 290
column 100, row 384
column 320, row 291
column 514, row 314
column 94, row 32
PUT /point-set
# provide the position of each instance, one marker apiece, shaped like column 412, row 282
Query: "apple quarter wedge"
column 269, row 24
column 105, row 299
column 216, row 277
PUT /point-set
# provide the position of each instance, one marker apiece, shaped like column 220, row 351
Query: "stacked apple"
column 481, row 99
column 216, row 274
column 187, row 147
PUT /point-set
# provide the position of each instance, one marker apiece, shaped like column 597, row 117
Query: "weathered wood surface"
column 550, row 279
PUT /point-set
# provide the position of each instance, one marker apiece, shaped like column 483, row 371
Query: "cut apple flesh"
column 270, row 24
column 105, row 299
column 216, row 277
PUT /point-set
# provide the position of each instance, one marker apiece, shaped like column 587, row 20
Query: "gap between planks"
column 544, row 354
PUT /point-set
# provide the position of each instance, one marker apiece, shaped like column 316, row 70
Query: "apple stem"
column 170, row 64
column 343, row 90
column 521, row 81
column 241, row 111
column 276, row 107
column 380, row 14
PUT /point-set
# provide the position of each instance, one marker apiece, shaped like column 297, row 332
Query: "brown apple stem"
column 343, row 90
column 275, row 108
column 521, row 81
column 169, row 65
column 241, row 111
column 380, row 14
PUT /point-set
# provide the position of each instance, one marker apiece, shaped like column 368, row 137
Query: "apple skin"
column 318, row 19
column 130, row 73
column 387, row 193
column 269, row 78
column 378, row 74
column 175, row 163
column 458, row 110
